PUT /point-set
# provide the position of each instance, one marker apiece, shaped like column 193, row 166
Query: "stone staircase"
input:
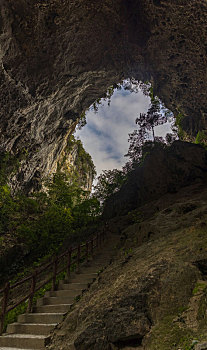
column 32, row 330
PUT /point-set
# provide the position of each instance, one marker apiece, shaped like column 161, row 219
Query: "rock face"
column 153, row 294
column 165, row 170
column 75, row 161
column 57, row 57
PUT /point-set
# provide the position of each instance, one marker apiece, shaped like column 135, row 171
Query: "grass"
column 12, row 315
column 199, row 288
column 168, row 335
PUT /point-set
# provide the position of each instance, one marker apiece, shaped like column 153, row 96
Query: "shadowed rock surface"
column 164, row 170
column 57, row 57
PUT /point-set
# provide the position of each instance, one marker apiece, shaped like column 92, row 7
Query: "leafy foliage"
column 106, row 97
column 12, row 315
column 45, row 219
column 143, row 139
column 82, row 121
column 178, row 124
column 109, row 182
column 8, row 165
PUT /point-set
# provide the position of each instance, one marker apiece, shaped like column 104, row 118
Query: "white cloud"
column 162, row 130
column 106, row 133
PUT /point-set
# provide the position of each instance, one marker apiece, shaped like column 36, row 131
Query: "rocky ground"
column 153, row 296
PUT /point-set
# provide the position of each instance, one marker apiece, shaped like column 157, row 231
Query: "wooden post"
column 54, row 274
column 32, row 292
column 4, row 306
column 78, row 259
column 69, row 263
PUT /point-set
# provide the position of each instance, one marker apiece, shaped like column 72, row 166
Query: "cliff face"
column 164, row 170
column 75, row 161
column 57, row 57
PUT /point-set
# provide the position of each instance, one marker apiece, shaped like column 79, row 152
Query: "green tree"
column 109, row 182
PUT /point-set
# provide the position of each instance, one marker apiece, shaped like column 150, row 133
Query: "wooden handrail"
column 4, row 305
column 73, row 256
column 32, row 291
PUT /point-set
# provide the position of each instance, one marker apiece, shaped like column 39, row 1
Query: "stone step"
column 73, row 286
column 102, row 258
column 64, row 293
column 30, row 328
column 8, row 348
column 24, row 341
column 81, row 279
column 84, row 274
column 100, row 262
column 89, row 270
column 96, row 269
column 100, row 267
column 40, row 318
column 87, row 273
column 52, row 308
column 55, row 301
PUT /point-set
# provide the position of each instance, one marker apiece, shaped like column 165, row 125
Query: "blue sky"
column 105, row 136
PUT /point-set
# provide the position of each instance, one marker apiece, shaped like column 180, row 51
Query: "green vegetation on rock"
column 42, row 221
column 45, row 219
column 82, row 165
column 178, row 124
column 167, row 335
column 201, row 138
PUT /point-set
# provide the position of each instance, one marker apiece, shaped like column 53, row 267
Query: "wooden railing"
column 71, row 258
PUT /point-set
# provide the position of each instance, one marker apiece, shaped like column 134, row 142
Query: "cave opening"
column 109, row 121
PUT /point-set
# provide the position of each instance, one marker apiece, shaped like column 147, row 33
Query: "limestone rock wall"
column 58, row 56
column 75, row 161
